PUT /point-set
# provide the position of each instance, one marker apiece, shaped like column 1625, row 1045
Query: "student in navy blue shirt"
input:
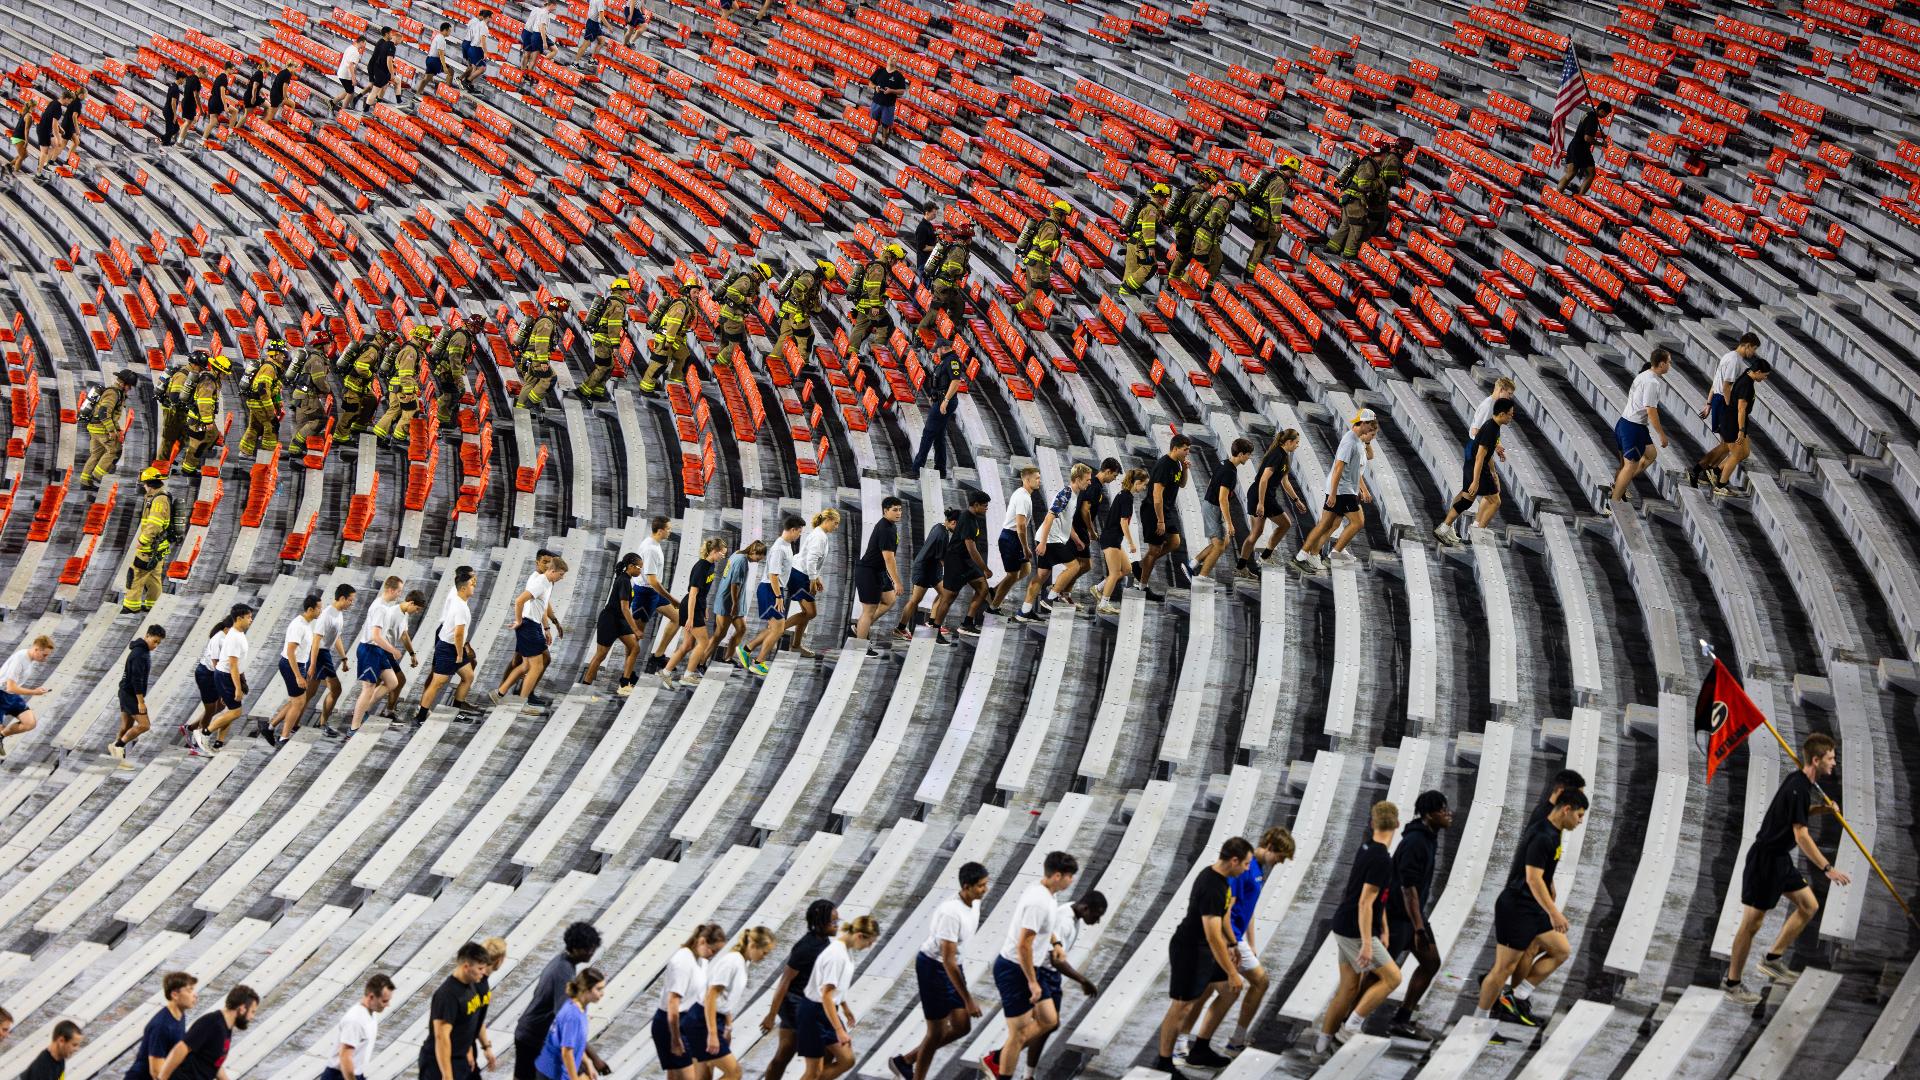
column 168, row 1027
column 1274, row 848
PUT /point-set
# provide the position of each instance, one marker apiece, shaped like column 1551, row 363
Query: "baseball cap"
column 1364, row 416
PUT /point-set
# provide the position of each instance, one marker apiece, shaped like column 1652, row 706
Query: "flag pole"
column 1832, row 808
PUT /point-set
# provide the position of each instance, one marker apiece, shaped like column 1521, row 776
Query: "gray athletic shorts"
column 1350, row 952
column 1210, row 515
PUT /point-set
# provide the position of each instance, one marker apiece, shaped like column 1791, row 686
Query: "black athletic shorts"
column 1727, row 424
column 959, row 575
column 1346, row 504
column 1399, row 941
column 1768, row 878
column 1012, row 555
column 1057, row 555
column 1190, row 971
column 870, row 584
column 129, row 702
column 926, row 575
column 610, row 628
column 1518, row 920
column 1489, row 479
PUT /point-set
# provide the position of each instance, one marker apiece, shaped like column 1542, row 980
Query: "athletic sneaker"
column 758, row 668
column 1166, row 1065
column 1446, row 536
column 990, row 1061
column 1158, row 598
column 1342, row 558
column 746, row 658
column 969, row 628
column 1740, row 995
column 1777, row 971
column 537, row 701
column 117, row 752
column 1407, row 1029
column 1722, row 491
column 899, row 1067
column 1235, row 1049
column 903, row 632
column 940, row 637
column 201, row 744
column 806, row 653
column 329, row 731
column 1203, row 1055
column 666, row 679
column 1109, row 608
column 625, row 689
column 1342, row 1034
column 1513, row 1010
column 1181, row 1044
column 689, row 679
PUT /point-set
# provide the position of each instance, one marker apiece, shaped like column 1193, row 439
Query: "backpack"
column 1258, row 190
column 658, row 316
column 786, row 282
column 296, row 379
column 89, row 407
column 1025, row 243
column 1346, row 174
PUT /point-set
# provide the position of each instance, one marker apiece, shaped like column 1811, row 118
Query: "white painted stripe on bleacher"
column 102, row 1047
column 1190, row 697
column 966, row 715
column 51, row 815
column 665, row 762
column 1128, row 986
column 1042, row 702
column 776, row 805
column 1457, row 902
column 890, row 738
column 366, row 814
column 1661, row 839
column 1355, row 1060
column 1423, row 660
column 136, row 961
column 54, row 974
column 1567, row 1041
column 1343, row 689
column 1791, row 1028
column 1269, row 663
column 1496, row 599
column 269, row 845
column 883, row 866
column 586, row 784
column 1457, row 1053
column 732, row 769
column 1116, row 693
column 94, row 886
column 386, row 861
column 57, row 866
column 515, row 792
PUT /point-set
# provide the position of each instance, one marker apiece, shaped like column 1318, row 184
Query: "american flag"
column 1573, row 94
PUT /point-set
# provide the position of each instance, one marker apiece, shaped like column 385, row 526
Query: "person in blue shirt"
column 168, row 1026
column 564, row 1055
column 1275, row 847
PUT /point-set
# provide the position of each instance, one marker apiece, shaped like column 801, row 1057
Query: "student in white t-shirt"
column 707, row 1029
column 15, row 688
column 1057, row 965
column 532, row 616
column 652, row 594
column 593, row 30
column 376, row 656
column 808, row 578
column 359, row 1030
column 331, row 626
column 823, row 1032
column 473, row 49
column 399, row 630
column 299, row 658
column 682, row 985
column 771, row 597
column 347, row 75
column 533, row 32
column 1015, row 971
column 945, row 1001
column 1016, row 529
column 1639, row 424
column 453, row 649
column 229, row 680
column 436, row 64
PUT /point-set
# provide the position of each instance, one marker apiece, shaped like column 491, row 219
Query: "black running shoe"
column 1407, row 1029
column 1507, row 1009
column 1202, row 1055
column 970, row 629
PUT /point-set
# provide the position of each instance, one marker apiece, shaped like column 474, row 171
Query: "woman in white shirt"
column 824, row 1041
column 773, row 595
column 331, row 626
column 347, row 75
column 591, row 32
column 805, row 582
column 228, row 680
column 453, row 649
column 1639, row 423
column 299, row 658
column 707, row 1028
column 684, row 983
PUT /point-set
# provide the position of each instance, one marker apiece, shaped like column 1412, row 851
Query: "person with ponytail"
column 696, row 644
column 203, row 682
column 1271, row 495
column 683, row 983
column 806, row 583
column 707, row 1028
column 823, row 922
column 564, row 1055
column 299, row 656
column 825, row 1034
column 226, row 681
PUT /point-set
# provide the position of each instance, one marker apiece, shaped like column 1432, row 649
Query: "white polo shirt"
column 477, row 33
column 728, row 971
column 1731, row 365
column 378, row 614
column 1643, row 396
column 1033, row 911
column 233, row 646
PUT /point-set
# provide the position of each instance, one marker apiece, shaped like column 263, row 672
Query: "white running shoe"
column 1446, row 536
column 1343, row 558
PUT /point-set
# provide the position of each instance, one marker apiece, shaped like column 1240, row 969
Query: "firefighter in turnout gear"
column 1267, row 206
column 947, row 268
column 152, row 546
column 102, row 417
column 799, row 303
column 202, row 412
column 1390, row 169
column 1143, row 238
column 1042, row 249
column 533, row 354
column 312, row 386
column 667, row 349
column 1211, row 230
column 403, row 387
column 359, row 369
column 1356, row 183
column 1189, row 206
column 448, row 364
column 175, row 396
column 607, row 319
column 261, row 396
column 736, row 303
column 870, row 296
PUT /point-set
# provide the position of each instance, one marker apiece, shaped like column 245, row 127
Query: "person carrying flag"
column 1769, row 871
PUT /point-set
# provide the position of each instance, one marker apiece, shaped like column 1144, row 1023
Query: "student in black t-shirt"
column 277, row 91
column 1159, row 517
column 1200, row 955
column 876, row 573
column 17, row 138
column 1769, row 874
column 379, row 69
column 190, row 100
column 170, row 110
column 73, row 103
column 617, row 624
column 1563, row 781
column 1735, row 418
column 823, row 923
column 1226, row 522
column 966, row 568
column 928, row 563
column 43, row 134
column 51, row 1063
column 203, row 1053
column 1269, row 495
column 133, row 691
column 1360, row 934
column 888, row 85
column 453, row 1018
column 941, row 389
column 217, row 103
column 1478, row 478
column 253, row 92
column 696, row 642
column 1407, row 929
column 1527, row 916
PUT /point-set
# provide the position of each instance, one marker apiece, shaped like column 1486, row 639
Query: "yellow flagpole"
column 1834, row 808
